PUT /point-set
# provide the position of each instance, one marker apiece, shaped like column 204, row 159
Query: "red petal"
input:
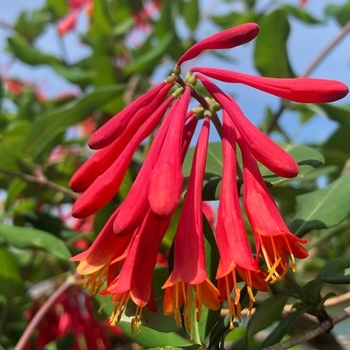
column 306, row 90
column 226, row 39
column 263, row 149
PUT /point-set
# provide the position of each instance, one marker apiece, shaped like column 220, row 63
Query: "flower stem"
column 70, row 280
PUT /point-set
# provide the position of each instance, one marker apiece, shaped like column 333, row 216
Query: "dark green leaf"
column 270, row 53
column 265, row 315
column 324, row 208
column 307, row 158
column 340, row 12
column 11, row 284
column 28, row 54
column 146, row 63
column 336, row 271
column 191, row 14
column 77, row 76
column 301, row 14
column 282, row 328
column 30, row 238
column 55, row 121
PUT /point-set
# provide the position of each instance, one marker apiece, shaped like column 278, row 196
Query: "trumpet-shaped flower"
column 188, row 282
column 235, row 253
column 134, row 280
column 125, row 252
column 103, row 258
column 274, row 242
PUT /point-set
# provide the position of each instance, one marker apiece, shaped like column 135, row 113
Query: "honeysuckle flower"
column 230, row 233
column 305, row 90
column 112, row 129
column 261, row 146
column 134, row 279
column 100, row 260
column 106, row 186
column 226, row 39
column 274, row 242
column 71, row 314
column 165, row 183
column 68, row 23
column 132, row 211
column 105, row 157
column 125, row 253
column 188, row 282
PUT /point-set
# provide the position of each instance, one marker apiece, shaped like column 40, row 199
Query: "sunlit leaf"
column 30, row 238
column 324, row 208
column 28, row 54
column 54, row 122
column 270, row 53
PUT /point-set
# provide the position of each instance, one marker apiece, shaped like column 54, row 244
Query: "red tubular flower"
column 107, row 185
column 165, row 183
column 260, row 145
column 72, row 314
column 112, row 129
column 231, row 237
column 104, row 158
column 132, row 211
column 227, row 39
column 305, row 90
column 274, row 242
column 67, row 23
column 101, row 259
column 134, row 280
column 189, row 274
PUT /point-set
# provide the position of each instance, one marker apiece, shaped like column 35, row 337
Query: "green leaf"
column 55, row 121
column 308, row 159
column 340, row 12
column 191, row 14
column 29, row 238
column 150, row 338
column 75, row 75
column 28, row 54
column 147, row 62
column 101, row 21
column 336, row 271
column 265, row 315
column 283, row 327
column 270, row 53
column 300, row 13
column 11, row 284
column 32, row 23
column 323, row 208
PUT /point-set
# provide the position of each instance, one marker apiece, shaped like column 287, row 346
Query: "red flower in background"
column 142, row 218
column 72, row 314
column 68, row 23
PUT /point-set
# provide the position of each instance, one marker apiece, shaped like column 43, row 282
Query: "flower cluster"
column 72, row 314
column 125, row 252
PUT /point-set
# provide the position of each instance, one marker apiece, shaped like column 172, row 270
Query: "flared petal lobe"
column 304, row 90
column 275, row 243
